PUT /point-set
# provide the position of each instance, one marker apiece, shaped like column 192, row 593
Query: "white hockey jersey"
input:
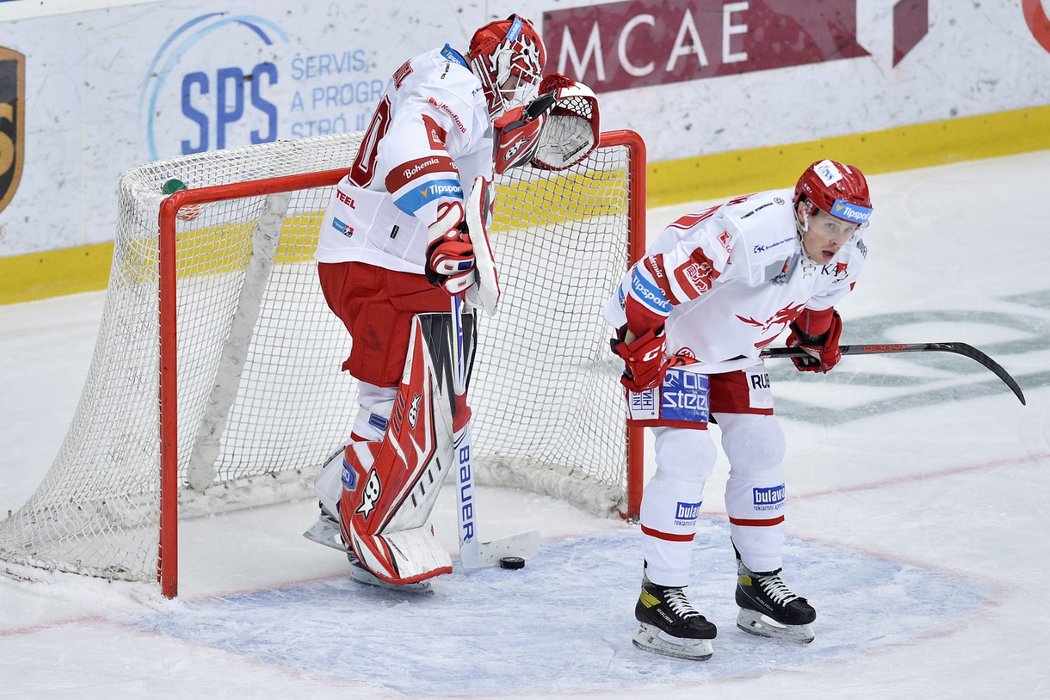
column 730, row 279
column 429, row 135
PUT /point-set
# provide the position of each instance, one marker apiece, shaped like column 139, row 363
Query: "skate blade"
column 756, row 623
column 653, row 639
column 362, row 575
column 326, row 532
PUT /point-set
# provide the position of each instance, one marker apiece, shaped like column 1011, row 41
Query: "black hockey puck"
column 511, row 563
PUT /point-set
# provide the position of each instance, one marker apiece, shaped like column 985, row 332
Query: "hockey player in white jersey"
column 394, row 243
column 693, row 314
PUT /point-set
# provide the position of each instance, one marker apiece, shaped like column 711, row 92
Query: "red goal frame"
column 167, row 558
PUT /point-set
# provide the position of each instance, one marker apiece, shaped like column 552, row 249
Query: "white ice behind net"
column 258, row 363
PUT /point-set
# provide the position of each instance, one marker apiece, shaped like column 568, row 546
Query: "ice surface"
column 917, row 520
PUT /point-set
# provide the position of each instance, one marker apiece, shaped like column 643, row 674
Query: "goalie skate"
column 326, row 531
column 768, row 608
column 360, row 574
column 670, row 625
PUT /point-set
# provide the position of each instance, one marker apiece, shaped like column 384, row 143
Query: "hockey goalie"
column 398, row 241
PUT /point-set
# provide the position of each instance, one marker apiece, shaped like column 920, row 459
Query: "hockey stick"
column 881, row 348
column 474, row 554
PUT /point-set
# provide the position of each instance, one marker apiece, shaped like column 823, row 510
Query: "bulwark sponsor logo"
column 686, row 513
column 770, row 498
column 12, row 122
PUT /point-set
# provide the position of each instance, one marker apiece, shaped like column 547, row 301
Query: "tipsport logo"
column 851, row 212
column 205, row 88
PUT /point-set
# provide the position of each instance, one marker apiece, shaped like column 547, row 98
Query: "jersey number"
column 363, row 169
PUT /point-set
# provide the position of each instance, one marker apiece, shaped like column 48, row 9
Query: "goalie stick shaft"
column 462, row 446
column 893, row 348
column 473, row 553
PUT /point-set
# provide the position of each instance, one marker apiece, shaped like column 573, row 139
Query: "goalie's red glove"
column 450, row 253
column 823, row 349
column 645, row 358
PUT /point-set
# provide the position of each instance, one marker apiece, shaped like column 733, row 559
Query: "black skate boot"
column 670, row 625
column 768, row 608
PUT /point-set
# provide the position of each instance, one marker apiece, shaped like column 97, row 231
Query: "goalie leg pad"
column 401, row 558
column 369, row 425
column 393, row 484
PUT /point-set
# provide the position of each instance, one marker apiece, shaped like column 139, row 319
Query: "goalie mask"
column 507, row 56
column 836, row 189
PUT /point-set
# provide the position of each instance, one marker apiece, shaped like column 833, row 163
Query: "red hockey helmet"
column 836, row 189
column 508, row 57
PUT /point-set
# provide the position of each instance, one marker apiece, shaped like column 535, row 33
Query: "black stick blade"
column 882, row 348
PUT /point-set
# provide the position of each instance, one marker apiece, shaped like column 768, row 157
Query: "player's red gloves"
column 823, row 349
column 450, row 253
column 645, row 359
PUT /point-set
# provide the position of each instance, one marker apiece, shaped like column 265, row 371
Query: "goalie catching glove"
column 645, row 359
column 450, row 253
column 555, row 131
column 572, row 129
column 818, row 333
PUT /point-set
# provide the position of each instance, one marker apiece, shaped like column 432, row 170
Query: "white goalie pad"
column 571, row 131
column 403, row 557
column 390, row 487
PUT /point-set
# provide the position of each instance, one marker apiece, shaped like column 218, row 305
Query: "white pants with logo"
column 685, row 459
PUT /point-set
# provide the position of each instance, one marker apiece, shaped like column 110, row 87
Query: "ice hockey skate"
column 768, row 608
column 326, row 531
column 670, row 625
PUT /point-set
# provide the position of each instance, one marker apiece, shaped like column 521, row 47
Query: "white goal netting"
column 261, row 399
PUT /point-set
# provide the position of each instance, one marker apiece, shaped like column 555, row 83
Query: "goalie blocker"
column 555, row 131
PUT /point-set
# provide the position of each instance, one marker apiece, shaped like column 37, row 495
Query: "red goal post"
column 249, row 399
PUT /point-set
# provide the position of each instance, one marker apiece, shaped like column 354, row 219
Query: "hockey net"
column 242, row 324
